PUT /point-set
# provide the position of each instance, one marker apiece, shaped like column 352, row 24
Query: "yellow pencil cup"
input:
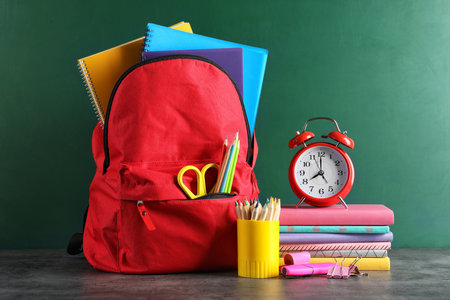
column 258, row 248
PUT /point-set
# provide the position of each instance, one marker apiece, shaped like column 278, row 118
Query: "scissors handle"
column 201, row 182
column 200, row 191
column 204, row 170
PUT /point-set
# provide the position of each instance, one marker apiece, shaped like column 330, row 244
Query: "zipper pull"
column 145, row 216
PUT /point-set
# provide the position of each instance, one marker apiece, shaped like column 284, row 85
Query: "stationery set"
column 167, row 104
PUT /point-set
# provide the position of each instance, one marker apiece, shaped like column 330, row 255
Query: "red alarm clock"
column 321, row 174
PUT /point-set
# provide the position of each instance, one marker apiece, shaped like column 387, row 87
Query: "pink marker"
column 306, row 269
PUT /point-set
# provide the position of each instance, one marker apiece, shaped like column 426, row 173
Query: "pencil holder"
column 258, row 248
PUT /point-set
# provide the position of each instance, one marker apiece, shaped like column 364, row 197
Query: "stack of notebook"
column 244, row 64
column 335, row 232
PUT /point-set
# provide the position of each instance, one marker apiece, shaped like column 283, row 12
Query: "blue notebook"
column 160, row 38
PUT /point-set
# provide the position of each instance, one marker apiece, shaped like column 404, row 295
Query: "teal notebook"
column 334, row 229
column 160, row 38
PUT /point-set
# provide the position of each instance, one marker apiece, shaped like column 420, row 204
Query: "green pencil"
column 233, row 168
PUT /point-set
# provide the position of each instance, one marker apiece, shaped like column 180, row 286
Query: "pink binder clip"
column 335, row 271
column 341, row 272
column 353, row 269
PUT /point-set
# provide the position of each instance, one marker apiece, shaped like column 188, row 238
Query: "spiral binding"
column 349, row 253
column 148, row 35
column 90, row 89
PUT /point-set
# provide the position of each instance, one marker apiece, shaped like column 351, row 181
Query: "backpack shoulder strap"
column 75, row 245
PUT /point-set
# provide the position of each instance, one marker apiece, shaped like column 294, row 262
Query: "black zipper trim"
column 163, row 58
column 212, row 196
column 216, row 196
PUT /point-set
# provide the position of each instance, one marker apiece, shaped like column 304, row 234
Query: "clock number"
column 337, row 163
column 330, row 189
column 321, row 154
column 305, row 181
column 321, row 191
column 331, row 156
column 337, row 182
column 312, row 157
column 311, row 188
column 301, row 172
column 340, row 172
column 306, row 164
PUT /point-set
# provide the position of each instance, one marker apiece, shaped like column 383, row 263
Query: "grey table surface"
column 52, row 274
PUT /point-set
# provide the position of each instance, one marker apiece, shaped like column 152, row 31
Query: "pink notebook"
column 356, row 214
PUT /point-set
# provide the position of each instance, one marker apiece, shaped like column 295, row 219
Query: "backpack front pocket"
column 162, row 231
column 189, row 235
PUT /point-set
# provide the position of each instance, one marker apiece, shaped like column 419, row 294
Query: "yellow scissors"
column 201, row 182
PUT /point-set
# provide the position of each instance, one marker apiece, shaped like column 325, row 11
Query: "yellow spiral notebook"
column 101, row 71
column 364, row 264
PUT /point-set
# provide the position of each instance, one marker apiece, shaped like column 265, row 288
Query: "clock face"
column 321, row 172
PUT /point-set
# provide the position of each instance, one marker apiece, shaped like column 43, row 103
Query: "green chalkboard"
column 380, row 68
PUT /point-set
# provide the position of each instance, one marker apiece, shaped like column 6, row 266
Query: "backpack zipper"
column 144, row 212
column 163, row 58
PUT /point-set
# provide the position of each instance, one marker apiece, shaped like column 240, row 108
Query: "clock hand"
column 315, row 176
column 321, row 171
column 317, row 164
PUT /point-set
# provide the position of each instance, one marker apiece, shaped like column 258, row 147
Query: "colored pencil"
column 263, row 215
column 233, row 168
column 277, row 218
column 250, row 212
column 255, row 211
column 241, row 210
column 225, row 147
column 246, row 209
column 223, row 183
column 223, row 167
column 226, row 173
column 236, row 206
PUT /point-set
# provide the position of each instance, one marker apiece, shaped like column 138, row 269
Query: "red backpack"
column 164, row 114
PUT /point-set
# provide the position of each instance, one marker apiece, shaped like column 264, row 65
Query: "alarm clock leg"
column 300, row 202
column 343, row 202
